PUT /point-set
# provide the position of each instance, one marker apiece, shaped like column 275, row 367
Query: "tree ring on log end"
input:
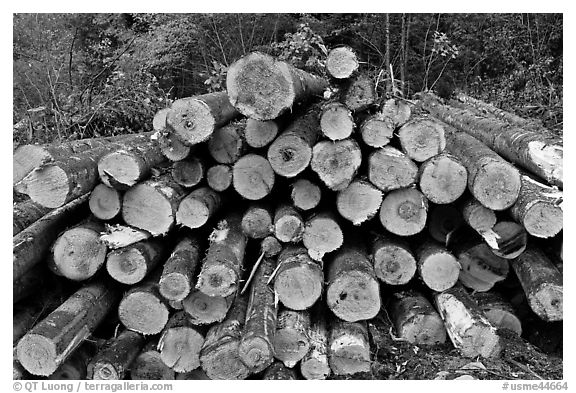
column 79, row 253
column 255, row 353
column 105, row 372
column 48, row 186
column 394, row 265
column 217, row 279
column 119, row 169
column 192, row 213
column 547, row 302
column 496, row 185
column 181, row 348
column 144, row 207
column 440, row 271
column 204, row 309
column 355, row 296
column 298, row 287
column 173, row 285
column 143, row 313
column 543, row 220
column 191, row 120
column 37, row 354
column 289, row 155
column 127, row 266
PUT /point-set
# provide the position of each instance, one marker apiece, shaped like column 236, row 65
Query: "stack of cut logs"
column 258, row 232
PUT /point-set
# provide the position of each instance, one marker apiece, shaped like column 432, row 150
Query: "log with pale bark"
column 176, row 281
column 348, row 347
column 131, row 264
column 196, row 208
column 262, row 88
column 227, row 144
column 291, row 151
column 219, row 177
column 222, row 267
column 219, row 356
column 25, row 214
column 359, row 93
column 437, row 267
column 253, row 177
column 390, row 169
column 540, row 152
column 403, row 212
column 336, row 163
column 466, row 324
column 498, row 311
column 151, row 205
column 353, row 291
column 180, row 343
column 443, row 222
column 342, row 62
column 288, row 224
column 322, row 234
column 336, row 121
column 113, row 361
column 260, row 133
column 314, row 365
column 105, row 202
column 299, row 279
column 442, row 178
column 256, row 349
column 149, row 366
column 538, row 209
column 194, row 119
column 188, row 173
column 393, row 260
column 305, row 194
column 422, row 138
column 44, row 348
column 415, row 319
column 290, row 340
column 359, row 202
column 279, row 372
column 79, row 253
column 481, row 268
column 542, row 284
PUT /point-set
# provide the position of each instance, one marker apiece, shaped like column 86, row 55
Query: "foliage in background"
column 83, row 75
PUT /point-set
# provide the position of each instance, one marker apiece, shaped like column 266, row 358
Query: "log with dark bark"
column 422, row 138
column 279, row 372
column 342, row 62
column 443, row 221
column 481, row 269
column 253, row 177
column 219, row 177
column 348, row 347
column 78, row 253
column 194, row 119
column 466, row 324
column 403, row 212
column 262, row 88
column 359, row 93
column 299, row 279
column 219, row 356
column 336, row 163
column 196, row 375
column 322, row 234
column 105, row 202
column 415, row 319
column 442, row 178
column 359, row 202
column 113, row 361
column 25, row 214
column 394, row 262
column 539, row 152
column 75, row 367
column 353, row 292
column 188, row 173
column 498, row 311
column 152, row 205
column 314, row 365
column 44, row 348
column 305, row 194
column 222, row 267
column 336, row 121
column 204, row 310
column 288, row 224
column 260, row 133
column 538, row 209
column 390, row 169
column 437, row 267
column 177, row 278
column 131, row 264
column 256, row 349
column 149, row 366
column 291, row 152
column 291, row 341
column 541, row 282
column 180, row 343
column 257, row 221
column 143, row 309
column 227, row 144
column 196, row 208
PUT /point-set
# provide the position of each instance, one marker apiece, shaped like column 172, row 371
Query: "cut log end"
column 27, row 158
column 440, row 271
column 336, row 163
column 322, row 235
column 145, row 207
column 341, row 62
column 188, row 173
column 217, row 280
column 143, row 312
column 119, row 169
column 222, row 362
column 422, row 139
column 289, row 155
column 174, row 286
column 219, row 177
column 105, row 372
column 180, row 348
column 257, row 222
column 481, row 269
column 424, row 329
column 149, row 366
column 354, row 297
column 403, row 212
column 48, row 186
column 127, row 266
column 359, row 202
column 349, row 350
column 443, row 179
column 172, row 148
column 390, row 169
column 314, row 369
column 192, row 213
column 253, row 177
column 299, row 280
column 105, row 202
column 260, row 133
column 376, row 131
column 510, row 239
column 305, row 194
column 204, row 309
column 547, row 302
column 543, row 220
column 496, row 185
column 336, row 122
column 191, row 120
column 393, row 264
column 256, row 353
column 37, row 354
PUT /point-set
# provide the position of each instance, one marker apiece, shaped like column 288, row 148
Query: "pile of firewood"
column 257, row 230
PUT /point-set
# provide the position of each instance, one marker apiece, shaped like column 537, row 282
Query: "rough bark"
column 394, row 262
column 25, row 214
column 390, row 169
column 78, row 253
column 219, row 177
column 342, row 62
column 113, row 361
column 105, row 202
column 437, row 267
column 279, row 372
column 149, row 366
column 442, row 178
column 196, row 208
column 348, row 347
column 415, row 319
column 291, row 341
column 177, row 278
column 260, row 133
column 314, row 365
column 498, row 311
column 359, row 202
column 227, row 144
column 541, row 282
column 336, row 121
column 194, row 119
column 180, row 343
column 336, row 163
column 466, row 324
column 443, row 221
column 359, row 93
column 288, row 224
column 188, row 173
column 353, row 292
column 253, row 177
column 403, row 212
column 257, row 221
column 299, row 279
column 262, row 88
column 481, row 269
column 322, row 234
column 305, row 194
column 422, row 138
column 44, row 348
